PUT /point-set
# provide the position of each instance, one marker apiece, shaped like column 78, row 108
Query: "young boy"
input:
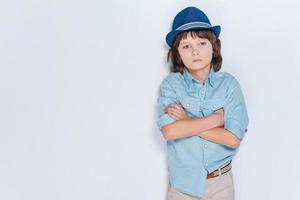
column 202, row 112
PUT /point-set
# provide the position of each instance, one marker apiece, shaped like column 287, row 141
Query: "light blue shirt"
column 191, row 158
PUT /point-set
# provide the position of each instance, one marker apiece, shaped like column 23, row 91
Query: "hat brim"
column 172, row 35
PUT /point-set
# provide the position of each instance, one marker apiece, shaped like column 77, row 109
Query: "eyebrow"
column 200, row 40
column 184, row 43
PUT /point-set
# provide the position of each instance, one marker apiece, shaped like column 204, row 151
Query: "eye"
column 203, row 43
column 185, row 46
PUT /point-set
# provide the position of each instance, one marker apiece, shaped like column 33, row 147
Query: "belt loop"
column 220, row 172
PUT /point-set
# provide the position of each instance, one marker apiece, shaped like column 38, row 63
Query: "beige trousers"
column 217, row 188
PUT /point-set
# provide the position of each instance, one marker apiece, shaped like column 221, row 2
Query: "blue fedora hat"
column 190, row 18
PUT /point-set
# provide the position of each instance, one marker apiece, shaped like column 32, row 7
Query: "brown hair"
column 173, row 54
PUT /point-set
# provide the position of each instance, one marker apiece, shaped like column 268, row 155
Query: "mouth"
column 197, row 60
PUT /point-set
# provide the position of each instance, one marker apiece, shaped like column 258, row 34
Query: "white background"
column 79, row 82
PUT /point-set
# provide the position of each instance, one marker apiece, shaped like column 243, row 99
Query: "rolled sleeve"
column 235, row 112
column 167, row 96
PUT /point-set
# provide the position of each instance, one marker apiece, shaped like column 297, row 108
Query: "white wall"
column 79, row 82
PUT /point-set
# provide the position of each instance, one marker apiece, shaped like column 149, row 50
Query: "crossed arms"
column 209, row 128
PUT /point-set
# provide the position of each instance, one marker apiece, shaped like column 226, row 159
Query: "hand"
column 219, row 117
column 176, row 111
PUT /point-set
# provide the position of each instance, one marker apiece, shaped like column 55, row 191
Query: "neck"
column 200, row 74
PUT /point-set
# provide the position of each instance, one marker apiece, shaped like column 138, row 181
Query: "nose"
column 195, row 51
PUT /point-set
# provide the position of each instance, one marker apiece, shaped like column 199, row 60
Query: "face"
column 196, row 53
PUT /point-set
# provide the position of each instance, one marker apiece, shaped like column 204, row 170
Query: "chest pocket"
column 191, row 105
column 211, row 105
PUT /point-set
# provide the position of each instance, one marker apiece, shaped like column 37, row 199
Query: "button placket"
column 204, row 158
column 202, row 96
column 203, row 90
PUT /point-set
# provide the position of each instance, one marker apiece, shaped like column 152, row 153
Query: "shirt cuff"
column 164, row 120
column 235, row 127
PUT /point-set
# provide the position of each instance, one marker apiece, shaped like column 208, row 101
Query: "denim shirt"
column 190, row 159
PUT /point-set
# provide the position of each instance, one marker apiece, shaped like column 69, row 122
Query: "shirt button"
column 187, row 105
column 214, row 106
column 205, row 146
column 203, row 92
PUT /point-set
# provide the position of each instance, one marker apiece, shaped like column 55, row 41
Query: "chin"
column 196, row 68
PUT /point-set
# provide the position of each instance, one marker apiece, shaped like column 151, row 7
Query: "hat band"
column 193, row 25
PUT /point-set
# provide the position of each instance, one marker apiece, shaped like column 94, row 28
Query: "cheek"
column 185, row 57
column 208, row 54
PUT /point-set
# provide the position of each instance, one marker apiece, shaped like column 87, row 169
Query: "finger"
column 177, row 106
column 174, row 110
column 174, row 115
column 168, row 108
column 179, row 114
column 173, row 104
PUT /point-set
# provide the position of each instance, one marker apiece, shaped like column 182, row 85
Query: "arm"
column 235, row 112
column 206, row 127
column 190, row 127
column 176, row 125
column 235, row 117
column 173, row 121
column 235, row 120
column 221, row 136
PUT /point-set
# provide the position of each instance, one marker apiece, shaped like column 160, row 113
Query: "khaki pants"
column 217, row 188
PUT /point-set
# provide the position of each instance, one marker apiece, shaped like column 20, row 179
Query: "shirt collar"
column 190, row 79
